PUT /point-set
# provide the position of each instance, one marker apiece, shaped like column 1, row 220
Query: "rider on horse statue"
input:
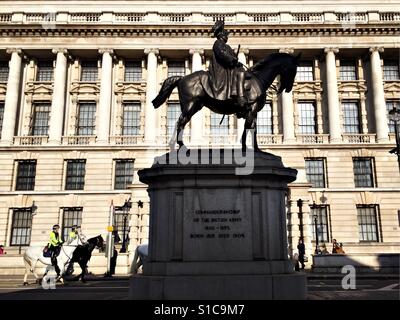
column 226, row 73
column 55, row 247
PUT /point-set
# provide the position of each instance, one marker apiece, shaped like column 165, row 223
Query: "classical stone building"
column 76, row 83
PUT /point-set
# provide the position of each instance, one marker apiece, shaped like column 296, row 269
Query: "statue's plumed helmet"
column 218, row 27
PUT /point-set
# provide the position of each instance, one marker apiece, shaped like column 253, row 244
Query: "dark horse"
column 193, row 94
column 82, row 255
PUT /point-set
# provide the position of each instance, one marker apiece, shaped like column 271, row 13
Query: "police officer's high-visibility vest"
column 54, row 239
column 72, row 235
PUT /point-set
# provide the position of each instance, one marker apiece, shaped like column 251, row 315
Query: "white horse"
column 141, row 253
column 33, row 254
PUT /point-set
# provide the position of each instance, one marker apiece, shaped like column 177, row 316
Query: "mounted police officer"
column 73, row 233
column 226, row 73
column 55, row 247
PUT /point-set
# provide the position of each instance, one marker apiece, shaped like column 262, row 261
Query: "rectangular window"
column 26, row 173
column 133, row 71
column 4, row 71
column 86, row 118
column 367, row 223
column 391, row 70
column 390, row 104
column 321, row 212
column 306, row 118
column 305, row 72
column 315, row 172
column 121, row 224
column 176, row 68
column 173, row 113
column 351, row 117
column 89, row 71
column 123, row 173
column 40, row 119
column 71, row 217
column 21, row 227
column 216, row 129
column 131, row 118
column 347, row 71
column 363, row 172
column 1, row 116
column 75, row 178
column 45, row 71
column 264, row 119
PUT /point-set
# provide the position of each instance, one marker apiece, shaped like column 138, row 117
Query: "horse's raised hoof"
column 25, row 283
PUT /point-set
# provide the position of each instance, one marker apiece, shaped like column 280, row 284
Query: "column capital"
column 106, row 50
column 152, row 50
column 60, row 50
column 286, row 50
column 193, row 51
column 376, row 49
column 331, row 49
column 12, row 50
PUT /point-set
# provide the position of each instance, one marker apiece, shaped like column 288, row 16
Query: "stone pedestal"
column 217, row 228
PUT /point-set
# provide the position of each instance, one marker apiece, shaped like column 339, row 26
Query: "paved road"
column 99, row 288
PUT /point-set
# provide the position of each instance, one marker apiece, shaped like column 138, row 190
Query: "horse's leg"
column 83, row 267
column 188, row 110
column 27, row 270
column 250, row 124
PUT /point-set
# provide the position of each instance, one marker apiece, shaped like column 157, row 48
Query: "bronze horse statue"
column 194, row 93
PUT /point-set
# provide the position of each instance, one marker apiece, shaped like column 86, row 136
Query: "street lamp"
column 126, row 207
column 394, row 115
column 316, row 227
column 300, row 205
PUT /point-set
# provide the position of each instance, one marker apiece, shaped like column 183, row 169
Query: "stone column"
column 150, row 128
column 382, row 129
column 12, row 95
column 104, row 109
column 243, row 52
column 333, row 96
column 58, row 101
column 196, row 123
column 287, row 110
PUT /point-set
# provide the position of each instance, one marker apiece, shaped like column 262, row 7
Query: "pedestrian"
column 2, row 251
column 302, row 251
column 324, row 250
column 296, row 262
column 339, row 249
column 334, row 246
column 113, row 262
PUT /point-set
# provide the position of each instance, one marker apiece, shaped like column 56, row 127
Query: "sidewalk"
column 372, row 275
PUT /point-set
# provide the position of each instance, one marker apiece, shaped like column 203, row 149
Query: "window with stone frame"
column 123, row 173
column 4, row 70
column 306, row 117
column 391, row 70
column 215, row 128
column 89, row 71
column 45, row 71
column 75, row 175
column 131, row 118
column 1, row 116
column 363, row 169
column 176, row 68
column 264, row 119
column 305, row 72
column 173, row 113
column 71, row 217
column 21, row 227
column 367, row 216
column 315, row 172
column 40, row 119
column 26, row 174
column 133, row 71
column 322, row 213
column 390, row 104
column 347, row 71
column 351, row 117
column 86, row 119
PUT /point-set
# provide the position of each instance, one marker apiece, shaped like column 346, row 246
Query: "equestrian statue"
column 227, row 88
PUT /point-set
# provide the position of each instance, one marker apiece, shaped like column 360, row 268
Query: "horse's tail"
column 166, row 90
